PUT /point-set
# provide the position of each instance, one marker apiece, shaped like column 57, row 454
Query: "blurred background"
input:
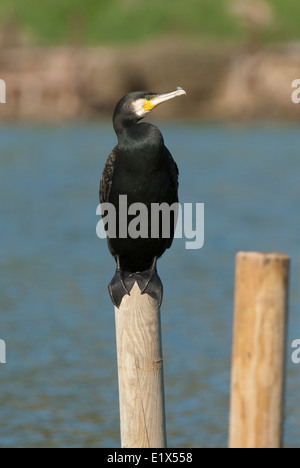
column 65, row 59
column 236, row 140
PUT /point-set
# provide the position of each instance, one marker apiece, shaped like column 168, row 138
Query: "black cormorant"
column 142, row 168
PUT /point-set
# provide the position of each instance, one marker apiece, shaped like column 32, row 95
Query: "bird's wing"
column 174, row 173
column 106, row 179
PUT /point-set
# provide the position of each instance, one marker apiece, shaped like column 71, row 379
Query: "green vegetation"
column 125, row 21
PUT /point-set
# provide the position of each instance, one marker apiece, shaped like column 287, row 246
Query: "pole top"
column 269, row 256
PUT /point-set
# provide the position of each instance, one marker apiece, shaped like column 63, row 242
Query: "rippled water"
column 59, row 386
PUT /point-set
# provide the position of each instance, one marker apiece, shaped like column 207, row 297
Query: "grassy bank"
column 127, row 21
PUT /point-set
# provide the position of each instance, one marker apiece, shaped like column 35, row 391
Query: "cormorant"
column 142, row 168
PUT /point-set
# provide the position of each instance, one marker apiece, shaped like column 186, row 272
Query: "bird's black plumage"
column 142, row 168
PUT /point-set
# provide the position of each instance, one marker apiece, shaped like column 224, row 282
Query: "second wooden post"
column 257, row 382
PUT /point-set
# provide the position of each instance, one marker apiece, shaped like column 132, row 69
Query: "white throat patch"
column 138, row 107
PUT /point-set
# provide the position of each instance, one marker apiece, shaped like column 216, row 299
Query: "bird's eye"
column 148, row 98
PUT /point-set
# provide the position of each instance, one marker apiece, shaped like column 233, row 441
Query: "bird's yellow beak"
column 159, row 98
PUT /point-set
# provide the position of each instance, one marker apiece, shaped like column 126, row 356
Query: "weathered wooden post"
column 140, row 370
column 257, row 384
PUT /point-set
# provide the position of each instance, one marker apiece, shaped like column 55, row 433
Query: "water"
column 59, row 386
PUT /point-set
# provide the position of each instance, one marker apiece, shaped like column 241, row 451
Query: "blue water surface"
column 59, row 386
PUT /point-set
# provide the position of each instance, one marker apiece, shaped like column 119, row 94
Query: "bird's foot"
column 150, row 283
column 117, row 288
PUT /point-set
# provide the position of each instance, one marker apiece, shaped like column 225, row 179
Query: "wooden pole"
column 140, row 369
column 257, row 384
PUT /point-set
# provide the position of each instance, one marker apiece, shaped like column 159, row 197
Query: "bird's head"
column 134, row 106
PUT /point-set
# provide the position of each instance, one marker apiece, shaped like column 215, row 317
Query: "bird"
column 141, row 167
